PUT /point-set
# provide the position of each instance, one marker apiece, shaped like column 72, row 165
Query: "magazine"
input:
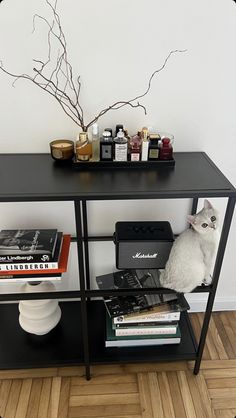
column 131, row 279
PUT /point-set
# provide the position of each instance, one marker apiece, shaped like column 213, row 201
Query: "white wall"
column 115, row 46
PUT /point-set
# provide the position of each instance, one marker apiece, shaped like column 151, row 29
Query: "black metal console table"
column 79, row 337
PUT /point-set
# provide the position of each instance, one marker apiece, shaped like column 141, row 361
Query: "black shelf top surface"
column 26, row 177
column 61, row 346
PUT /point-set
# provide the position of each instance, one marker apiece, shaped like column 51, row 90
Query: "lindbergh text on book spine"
column 18, row 258
column 28, row 266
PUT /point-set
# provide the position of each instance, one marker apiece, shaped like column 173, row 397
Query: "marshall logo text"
column 140, row 255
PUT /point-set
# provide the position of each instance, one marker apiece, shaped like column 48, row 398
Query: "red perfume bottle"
column 135, row 144
column 166, row 150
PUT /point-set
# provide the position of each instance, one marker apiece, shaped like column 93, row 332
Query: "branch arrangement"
column 57, row 79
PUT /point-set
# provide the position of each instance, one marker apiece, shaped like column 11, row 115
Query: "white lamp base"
column 39, row 316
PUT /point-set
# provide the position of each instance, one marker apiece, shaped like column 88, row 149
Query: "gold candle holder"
column 62, row 149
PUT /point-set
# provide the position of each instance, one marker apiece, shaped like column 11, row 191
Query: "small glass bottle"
column 154, row 144
column 166, row 149
column 106, row 147
column 121, row 146
column 145, row 144
column 83, row 147
column 135, row 144
column 95, row 143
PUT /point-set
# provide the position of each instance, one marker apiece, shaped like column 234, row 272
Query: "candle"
column 62, row 149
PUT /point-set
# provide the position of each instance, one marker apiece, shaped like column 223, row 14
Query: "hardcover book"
column 19, row 278
column 167, row 312
column 27, row 245
column 165, row 330
column 41, row 268
column 113, row 340
column 130, row 279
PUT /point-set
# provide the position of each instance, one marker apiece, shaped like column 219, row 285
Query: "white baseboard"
column 222, row 303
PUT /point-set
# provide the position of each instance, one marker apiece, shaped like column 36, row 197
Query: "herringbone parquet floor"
column 160, row 390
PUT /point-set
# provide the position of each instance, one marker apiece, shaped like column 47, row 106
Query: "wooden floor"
column 163, row 390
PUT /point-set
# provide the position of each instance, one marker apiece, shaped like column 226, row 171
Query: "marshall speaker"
column 142, row 244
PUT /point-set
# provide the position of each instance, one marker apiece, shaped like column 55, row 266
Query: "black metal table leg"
column 86, row 248
column 79, row 233
column 219, row 259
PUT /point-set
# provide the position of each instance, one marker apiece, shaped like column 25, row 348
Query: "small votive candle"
column 62, row 149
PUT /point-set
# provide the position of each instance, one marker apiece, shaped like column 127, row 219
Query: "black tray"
column 97, row 165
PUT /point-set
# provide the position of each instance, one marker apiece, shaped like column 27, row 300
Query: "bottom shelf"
column 62, row 346
column 186, row 350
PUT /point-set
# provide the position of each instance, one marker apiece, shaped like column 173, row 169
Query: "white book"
column 27, row 278
column 147, row 317
column 136, row 343
column 18, row 267
column 145, row 331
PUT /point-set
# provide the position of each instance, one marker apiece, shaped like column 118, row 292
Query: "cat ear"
column 207, row 204
column 191, row 219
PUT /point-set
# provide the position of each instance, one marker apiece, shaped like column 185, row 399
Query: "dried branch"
column 59, row 81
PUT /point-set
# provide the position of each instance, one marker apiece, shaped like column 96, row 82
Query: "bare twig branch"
column 123, row 103
column 59, row 82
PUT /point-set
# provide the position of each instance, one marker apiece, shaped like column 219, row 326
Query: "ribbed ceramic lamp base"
column 39, row 316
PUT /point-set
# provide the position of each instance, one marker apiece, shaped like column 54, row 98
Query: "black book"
column 27, row 245
column 19, row 266
column 131, row 279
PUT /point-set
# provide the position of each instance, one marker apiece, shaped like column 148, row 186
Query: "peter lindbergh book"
column 19, row 266
column 27, row 245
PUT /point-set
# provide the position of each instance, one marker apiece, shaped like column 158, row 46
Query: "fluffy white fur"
column 192, row 254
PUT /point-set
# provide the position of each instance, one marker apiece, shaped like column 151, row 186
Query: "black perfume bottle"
column 106, row 147
column 154, row 147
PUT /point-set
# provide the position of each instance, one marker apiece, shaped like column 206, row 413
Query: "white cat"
column 192, row 254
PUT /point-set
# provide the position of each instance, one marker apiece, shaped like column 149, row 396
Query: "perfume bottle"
column 106, row 147
column 154, row 144
column 166, row 149
column 83, row 147
column 145, row 144
column 135, row 144
column 121, row 146
column 95, row 143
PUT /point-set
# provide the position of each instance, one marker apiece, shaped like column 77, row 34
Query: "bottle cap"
column 95, row 129
column 118, row 127
column 106, row 134
column 109, row 130
column 166, row 141
column 83, row 136
column 120, row 134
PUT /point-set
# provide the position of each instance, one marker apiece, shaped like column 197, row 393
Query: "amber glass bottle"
column 83, row 147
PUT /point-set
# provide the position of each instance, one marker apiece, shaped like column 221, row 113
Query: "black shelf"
column 61, row 346
column 99, row 354
column 194, row 175
column 79, row 337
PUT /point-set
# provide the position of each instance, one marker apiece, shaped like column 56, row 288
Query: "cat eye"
column 213, row 219
column 204, row 225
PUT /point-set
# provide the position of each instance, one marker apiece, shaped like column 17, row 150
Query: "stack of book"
column 33, row 255
column 140, row 320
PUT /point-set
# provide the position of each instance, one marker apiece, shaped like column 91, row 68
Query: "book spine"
column 25, row 258
column 175, row 316
column 28, row 266
column 29, row 279
column 144, row 324
column 145, row 331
